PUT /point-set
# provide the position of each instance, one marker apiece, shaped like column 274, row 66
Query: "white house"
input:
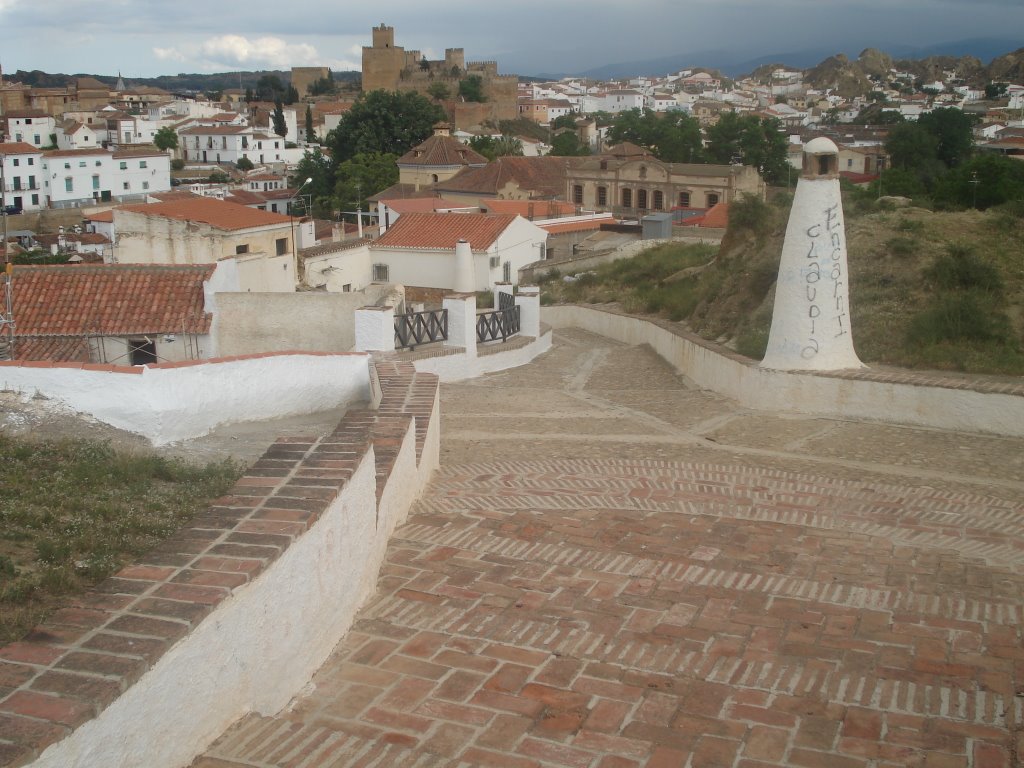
column 76, row 177
column 419, row 249
column 23, row 176
column 31, row 126
column 621, row 101
column 229, row 144
column 72, row 135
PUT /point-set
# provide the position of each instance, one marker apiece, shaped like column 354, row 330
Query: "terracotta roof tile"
column 18, row 148
column 443, row 230
column 537, row 209
column 109, row 299
column 442, row 150
column 216, row 213
column 717, row 216
column 538, row 176
column 404, row 205
column 100, row 216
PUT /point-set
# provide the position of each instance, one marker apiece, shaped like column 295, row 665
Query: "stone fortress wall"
column 392, row 68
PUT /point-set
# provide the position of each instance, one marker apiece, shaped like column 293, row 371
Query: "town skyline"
column 142, row 40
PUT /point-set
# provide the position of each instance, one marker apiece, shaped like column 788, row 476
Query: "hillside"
column 928, row 290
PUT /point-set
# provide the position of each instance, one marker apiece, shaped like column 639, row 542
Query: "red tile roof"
column 537, row 176
column 110, row 299
column 555, row 228
column 215, row 130
column 538, row 209
column 166, row 197
column 18, row 148
column 717, row 216
column 57, row 349
column 100, row 216
column 422, row 204
column 442, row 230
column 216, row 213
column 76, row 152
column 442, row 150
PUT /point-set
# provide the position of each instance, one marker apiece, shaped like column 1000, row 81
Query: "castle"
column 392, row 68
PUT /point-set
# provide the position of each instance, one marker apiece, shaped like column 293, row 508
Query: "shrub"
column 901, row 247
column 177, row 164
column 961, row 269
column 750, row 213
column 962, row 316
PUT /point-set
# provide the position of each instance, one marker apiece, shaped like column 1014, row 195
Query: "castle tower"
column 811, row 320
column 382, row 62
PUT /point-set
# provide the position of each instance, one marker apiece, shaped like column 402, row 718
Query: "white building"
column 229, row 144
column 72, row 135
column 83, row 176
column 419, row 249
column 31, row 126
column 23, row 176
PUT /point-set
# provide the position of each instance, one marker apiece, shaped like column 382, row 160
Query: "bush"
column 244, row 164
column 901, row 247
column 962, row 316
column 177, row 164
column 960, row 269
column 750, row 213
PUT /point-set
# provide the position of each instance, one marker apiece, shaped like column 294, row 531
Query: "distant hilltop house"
column 388, row 67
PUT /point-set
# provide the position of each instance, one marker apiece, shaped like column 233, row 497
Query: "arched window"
column 627, row 198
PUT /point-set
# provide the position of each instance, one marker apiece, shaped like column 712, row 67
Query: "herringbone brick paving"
column 589, row 584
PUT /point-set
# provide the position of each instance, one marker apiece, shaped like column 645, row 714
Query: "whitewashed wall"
column 797, row 392
column 178, row 403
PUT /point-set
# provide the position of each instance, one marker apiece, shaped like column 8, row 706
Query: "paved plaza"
column 613, row 568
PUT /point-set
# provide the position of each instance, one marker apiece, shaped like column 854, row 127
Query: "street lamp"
column 291, row 213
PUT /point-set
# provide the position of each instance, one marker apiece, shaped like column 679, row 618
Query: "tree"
column 323, row 86
column 165, row 138
column 673, row 137
column 438, row 90
column 269, row 88
column 568, row 144
column 750, row 140
column 249, row 95
column 384, row 122
column 316, row 166
column 280, row 126
column 310, row 133
column 995, row 90
column 502, row 146
column 568, row 120
column 953, row 129
column 244, row 164
column 471, row 88
column 910, row 146
column 364, row 175
column 982, row 182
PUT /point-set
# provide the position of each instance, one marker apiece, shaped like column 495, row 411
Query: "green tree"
column 910, row 146
column 567, row 120
column 750, row 140
column 364, row 175
column 995, row 90
column 165, row 138
column 568, row 144
column 953, row 129
column 439, row 91
column 280, row 126
column 269, row 88
column 316, row 166
column 673, row 137
column 244, row 164
column 471, row 88
column 384, row 122
column 291, row 95
column 982, row 182
column 310, row 133
column 322, row 86
column 503, row 146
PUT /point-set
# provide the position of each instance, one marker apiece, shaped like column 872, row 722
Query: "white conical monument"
column 811, row 321
column 464, row 273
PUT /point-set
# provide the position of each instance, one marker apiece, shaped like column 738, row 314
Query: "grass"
column 73, row 512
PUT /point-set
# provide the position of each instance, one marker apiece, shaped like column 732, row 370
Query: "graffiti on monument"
column 824, row 283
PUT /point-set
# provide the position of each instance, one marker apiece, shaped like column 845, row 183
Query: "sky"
column 146, row 38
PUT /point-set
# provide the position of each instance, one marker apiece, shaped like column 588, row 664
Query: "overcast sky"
column 146, row 38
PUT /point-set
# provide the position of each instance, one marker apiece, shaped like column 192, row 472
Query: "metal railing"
column 417, row 328
column 499, row 324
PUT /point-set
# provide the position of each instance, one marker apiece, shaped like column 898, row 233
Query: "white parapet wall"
column 460, row 367
column 171, row 402
column 850, row 396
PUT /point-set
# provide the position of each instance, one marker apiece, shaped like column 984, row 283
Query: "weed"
column 901, row 247
column 961, row 269
column 914, row 226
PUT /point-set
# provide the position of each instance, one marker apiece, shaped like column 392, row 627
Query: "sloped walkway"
column 613, row 569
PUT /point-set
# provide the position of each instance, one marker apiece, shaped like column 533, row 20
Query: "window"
column 346, row 288
column 123, row 165
column 627, row 198
column 712, row 199
column 145, row 185
column 99, row 162
column 602, row 195
column 67, row 165
column 282, row 245
column 31, row 161
column 380, row 273
column 28, row 121
column 96, row 181
column 69, row 184
column 506, row 271
column 17, row 182
column 659, row 200
column 142, row 164
column 141, row 351
column 35, row 199
column 31, row 182
column 81, row 163
column 17, row 161
column 124, row 185
column 240, row 249
column 641, row 199
column 684, row 199
column 577, row 194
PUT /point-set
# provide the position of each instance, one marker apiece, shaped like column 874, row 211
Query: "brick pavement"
column 639, row 574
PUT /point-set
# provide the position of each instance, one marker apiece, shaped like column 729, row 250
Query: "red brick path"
column 549, row 611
